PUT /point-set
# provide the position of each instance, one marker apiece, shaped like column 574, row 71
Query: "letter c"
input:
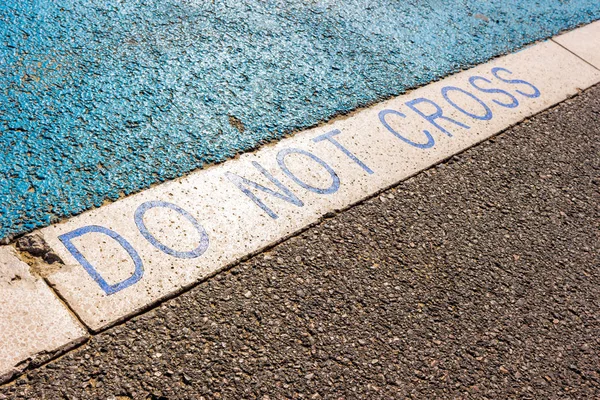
column 430, row 140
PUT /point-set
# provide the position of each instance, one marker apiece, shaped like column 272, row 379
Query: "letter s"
column 536, row 92
column 514, row 102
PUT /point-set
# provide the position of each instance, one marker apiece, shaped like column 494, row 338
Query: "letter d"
column 109, row 289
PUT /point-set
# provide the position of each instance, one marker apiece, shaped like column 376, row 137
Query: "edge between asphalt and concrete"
column 85, row 274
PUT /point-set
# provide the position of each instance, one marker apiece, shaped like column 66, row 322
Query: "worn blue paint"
column 100, row 98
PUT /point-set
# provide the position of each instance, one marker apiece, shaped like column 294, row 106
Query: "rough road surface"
column 476, row 279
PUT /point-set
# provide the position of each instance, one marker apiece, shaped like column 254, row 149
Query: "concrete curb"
column 123, row 258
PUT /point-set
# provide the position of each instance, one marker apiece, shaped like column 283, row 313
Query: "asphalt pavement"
column 478, row 278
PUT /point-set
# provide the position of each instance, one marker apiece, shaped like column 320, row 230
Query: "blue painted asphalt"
column 104, row 98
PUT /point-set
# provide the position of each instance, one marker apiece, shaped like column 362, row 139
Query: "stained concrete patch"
column 122, row 258
column 34, row 324
column 36, row 247
column 585, row 42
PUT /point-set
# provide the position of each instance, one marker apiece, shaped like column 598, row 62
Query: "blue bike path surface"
column 100, row 99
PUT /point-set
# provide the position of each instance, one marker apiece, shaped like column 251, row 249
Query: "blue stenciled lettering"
column 67, row 240
column 514, row 102
column 242, row 182
column 139, row 221
column 329, row 136
column 485, row 117
column 438, row 114
column 382, row 117
column 335, row 184
column 536, row 92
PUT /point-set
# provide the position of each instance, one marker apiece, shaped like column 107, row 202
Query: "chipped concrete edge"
column 37, row 360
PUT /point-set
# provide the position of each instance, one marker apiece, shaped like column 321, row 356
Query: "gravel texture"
column 476, row 279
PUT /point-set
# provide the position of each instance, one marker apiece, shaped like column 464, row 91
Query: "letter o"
column 139, row 221
column 488, row 112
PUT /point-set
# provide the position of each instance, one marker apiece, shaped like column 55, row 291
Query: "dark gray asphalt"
column 477, row 279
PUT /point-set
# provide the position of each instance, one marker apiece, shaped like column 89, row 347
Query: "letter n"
column 285, row 194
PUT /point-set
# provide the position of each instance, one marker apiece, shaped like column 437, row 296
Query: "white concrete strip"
column 33, row 322
column 123, row 257
column 585, row 42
